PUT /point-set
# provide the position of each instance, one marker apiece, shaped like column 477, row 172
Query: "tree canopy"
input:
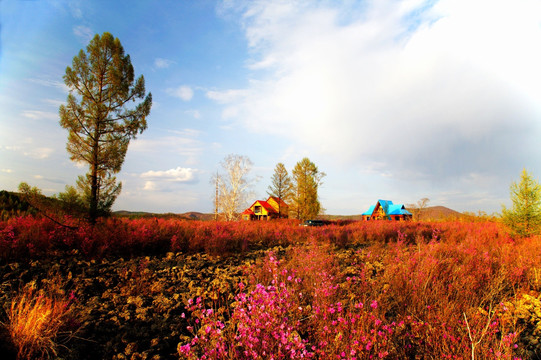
column 281, row 185
column 524, row 217
column 306, row 181
column 99, row 118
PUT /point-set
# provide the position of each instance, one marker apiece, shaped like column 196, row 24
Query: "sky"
column 392, row 99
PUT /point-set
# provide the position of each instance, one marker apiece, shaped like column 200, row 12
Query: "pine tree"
column 281, row 186
column 524, row 218
column 99, row 120
column 306, row 180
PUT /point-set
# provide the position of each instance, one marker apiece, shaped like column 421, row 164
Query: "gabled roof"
column 389, row 208
column 266, row 205
column 263, row 204
column 398, row 209
column 370, row 210
column 278, row 201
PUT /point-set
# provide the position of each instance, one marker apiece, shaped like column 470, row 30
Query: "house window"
column 257, row 209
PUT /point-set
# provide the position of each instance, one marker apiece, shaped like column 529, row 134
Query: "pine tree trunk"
column 93, row 213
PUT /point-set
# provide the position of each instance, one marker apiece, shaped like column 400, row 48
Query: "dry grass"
column 34, row 323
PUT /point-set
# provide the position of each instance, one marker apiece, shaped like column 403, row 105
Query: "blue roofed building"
column 386, row 210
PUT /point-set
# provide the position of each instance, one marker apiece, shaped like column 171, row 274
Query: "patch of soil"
column 7, row 349
column 126, row 308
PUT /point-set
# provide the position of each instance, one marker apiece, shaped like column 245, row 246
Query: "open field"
column 170, row 289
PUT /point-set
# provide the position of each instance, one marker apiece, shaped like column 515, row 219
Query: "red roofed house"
column 273, row 208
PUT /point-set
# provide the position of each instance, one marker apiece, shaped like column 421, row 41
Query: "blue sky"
column 397, row 100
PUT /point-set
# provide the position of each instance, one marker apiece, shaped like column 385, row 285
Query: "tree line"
column 299, row 190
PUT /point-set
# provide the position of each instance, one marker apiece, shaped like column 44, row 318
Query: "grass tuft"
column 34, row 323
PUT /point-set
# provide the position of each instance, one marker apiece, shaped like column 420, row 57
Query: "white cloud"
column 150, row 186
column 38, row 115
column 178, row 174
column 80, row 164
column 431, row 90
column 163, row 63
column 183, row 92
column 54, row 102
column 10, row 147
column 75, row 9
column 194, row 113
column 39, row 177
column 49, row 83
column 39, row 153
column 8, row 171
column 183, row 144
column 189, row 133
column 84, row 33
column 227, row 96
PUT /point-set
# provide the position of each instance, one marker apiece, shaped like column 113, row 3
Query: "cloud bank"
column 421, row 90
column 177, row 174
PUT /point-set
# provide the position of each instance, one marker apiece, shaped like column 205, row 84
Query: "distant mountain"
column 340, row 217
column 439, row 213
column 430, row 213
column 192, row 215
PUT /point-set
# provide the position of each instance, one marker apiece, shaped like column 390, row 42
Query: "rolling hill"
column 430, row 213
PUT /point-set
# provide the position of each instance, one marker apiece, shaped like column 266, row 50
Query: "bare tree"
column 417, row 209
column 233, row 186
column 422, row 205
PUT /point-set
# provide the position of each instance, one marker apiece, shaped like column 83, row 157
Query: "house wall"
column 393, row 217
column 261, row 210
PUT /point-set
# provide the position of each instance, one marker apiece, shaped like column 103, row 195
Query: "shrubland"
column 165, row 288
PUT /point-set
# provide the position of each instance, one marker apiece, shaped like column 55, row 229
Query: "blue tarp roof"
column 389, row 208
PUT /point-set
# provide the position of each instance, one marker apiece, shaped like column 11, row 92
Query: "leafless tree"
column 418, row 208
column 233, row 186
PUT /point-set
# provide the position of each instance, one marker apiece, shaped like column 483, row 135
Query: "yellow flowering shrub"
column 524, row 313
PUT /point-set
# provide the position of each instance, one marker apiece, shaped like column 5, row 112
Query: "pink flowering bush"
column 263, row 325
column 304, row 306
column 352, row 333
